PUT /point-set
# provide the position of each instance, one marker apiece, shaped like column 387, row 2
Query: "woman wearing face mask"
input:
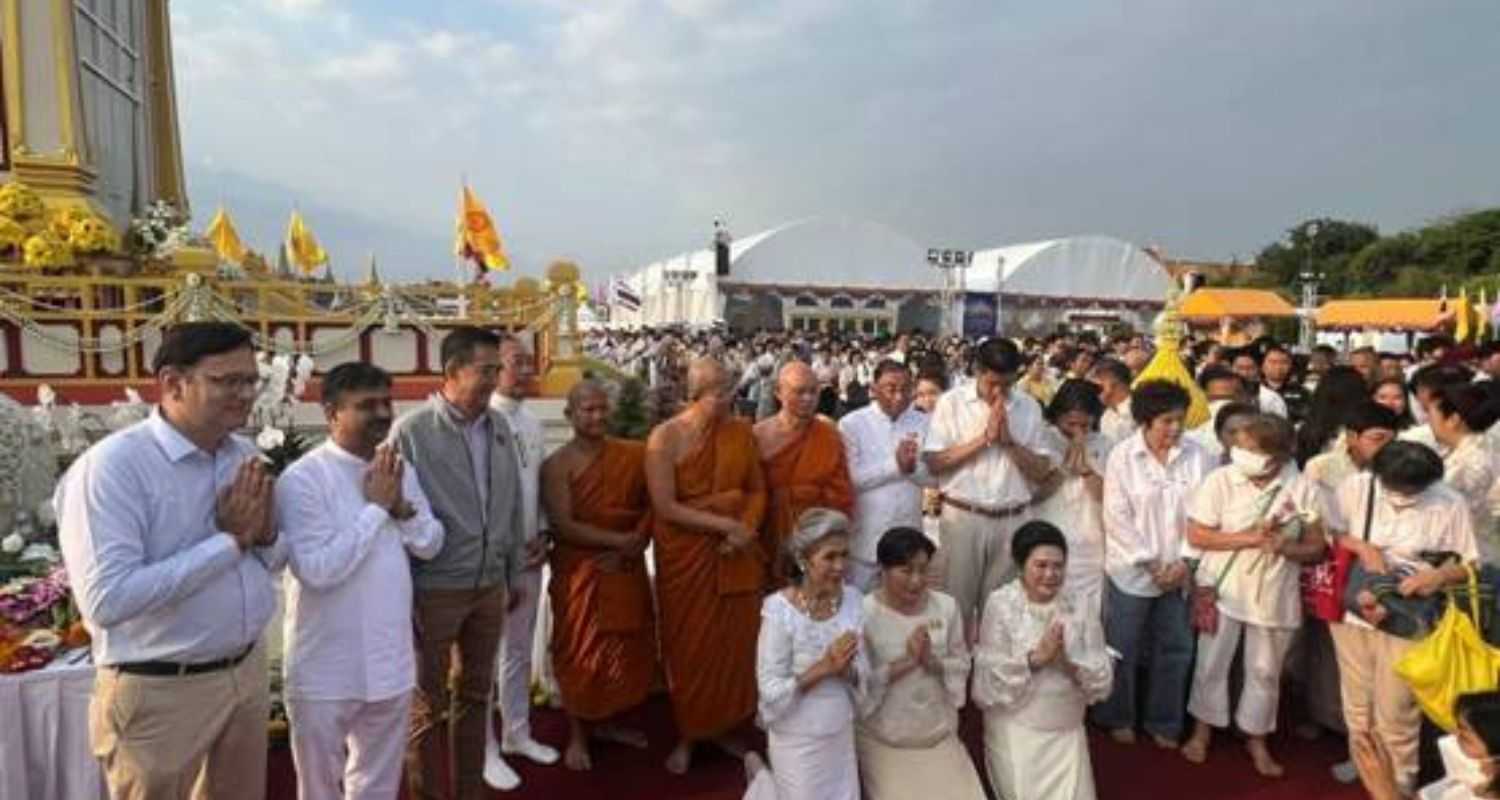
column 1469, row 755
column 811, row 671
column 1255, row 521
column 1072, row 497
column 1389, row 518
column 1461, row 414
column 908, row 741
column 1041, row 661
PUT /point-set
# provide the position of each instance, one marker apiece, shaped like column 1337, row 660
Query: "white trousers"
column 349, row 748
column 1265, row 653
column 514, row 659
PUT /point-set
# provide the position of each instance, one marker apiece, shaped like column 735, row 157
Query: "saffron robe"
column 810, row 471
column 710, row 603
column 604, row 636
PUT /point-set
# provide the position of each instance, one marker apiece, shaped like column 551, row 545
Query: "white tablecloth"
column 44, row 736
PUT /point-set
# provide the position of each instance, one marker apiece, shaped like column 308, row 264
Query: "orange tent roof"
column 1212, row 305
column 1419, row 314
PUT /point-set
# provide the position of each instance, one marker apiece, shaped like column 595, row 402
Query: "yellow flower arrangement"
column 90, row 234
column 46, row 250
column 12, row 235
column 20, row 202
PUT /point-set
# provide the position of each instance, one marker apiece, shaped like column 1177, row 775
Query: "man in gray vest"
column 463, row 454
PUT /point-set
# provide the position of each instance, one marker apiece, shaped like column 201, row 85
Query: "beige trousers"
column 192, row 736
column 975, row 554
column 1375, row 697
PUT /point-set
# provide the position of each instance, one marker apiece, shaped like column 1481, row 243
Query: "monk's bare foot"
column 680, row 759
column 1122, row 735
column 731, row 747
column 576, row 757
column 1264, row 763
column 630, row 737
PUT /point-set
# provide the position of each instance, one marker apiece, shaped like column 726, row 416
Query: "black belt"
column 159, row 669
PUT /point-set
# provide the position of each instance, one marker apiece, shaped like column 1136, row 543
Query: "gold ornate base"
column 561, row 377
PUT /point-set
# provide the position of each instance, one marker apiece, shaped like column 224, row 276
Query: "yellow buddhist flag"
column 1482, row 318
column 1462, row 311
column 225, row 239
column 302, row 247
column 476, row 238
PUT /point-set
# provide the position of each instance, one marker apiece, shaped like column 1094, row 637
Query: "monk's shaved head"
column 795, row 373
column 585, row 389
column 704, row 374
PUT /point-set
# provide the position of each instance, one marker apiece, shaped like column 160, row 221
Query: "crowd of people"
column 842, row 540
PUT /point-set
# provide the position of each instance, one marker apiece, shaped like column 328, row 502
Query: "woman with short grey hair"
column 811, row 670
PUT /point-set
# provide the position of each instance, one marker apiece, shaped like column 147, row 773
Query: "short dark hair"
column 998, row 355
column 1114, row 368
column 1327, row 350
column 1407, row 467
column 461, row 342
column 898, row 546
column 1247, row 351
column 1437, row 341
column 888, row 365
column 937, row 376
column 1369, row 414
column 352, row 376
column 1434, row 377
column 1274, row 347
column 1076, row 395
column 1230, row 410
column 185, row 344
column 1273, row 434
column 1152, row 399
column 1216, row 372
column 1471, row 402
column 1034, row 534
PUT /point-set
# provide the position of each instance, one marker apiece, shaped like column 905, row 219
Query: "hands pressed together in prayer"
column 997, row 429
column 838, row 659
column 906, row 454
column 1169, row 576
column 1052, row 651
column 245, row 509
column 382, row 484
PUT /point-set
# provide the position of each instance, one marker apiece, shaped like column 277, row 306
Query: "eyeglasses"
column 243, row 383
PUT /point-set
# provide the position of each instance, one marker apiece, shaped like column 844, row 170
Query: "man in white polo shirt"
column 984, row 445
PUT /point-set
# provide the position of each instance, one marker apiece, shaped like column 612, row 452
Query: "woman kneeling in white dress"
column 908, row 741
column 1041, row 661
column 811, row 670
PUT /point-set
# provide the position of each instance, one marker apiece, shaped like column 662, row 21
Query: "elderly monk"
column 708, row 499
column 604, row 636
column 803, row 457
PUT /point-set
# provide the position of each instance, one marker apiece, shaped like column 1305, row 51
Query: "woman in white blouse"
column 811, row 672
column 1041, row 661
column 919, row 664
column 1256, row 521
column 1072, row 497
column 1390, row 518
column 1460, row 416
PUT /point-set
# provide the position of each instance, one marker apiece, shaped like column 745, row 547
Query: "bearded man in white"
column 352, row 515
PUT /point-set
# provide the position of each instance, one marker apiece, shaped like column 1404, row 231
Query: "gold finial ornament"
column 1167, row 364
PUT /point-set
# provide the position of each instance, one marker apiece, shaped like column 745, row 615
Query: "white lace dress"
column 809, row 734
column 1034, row 739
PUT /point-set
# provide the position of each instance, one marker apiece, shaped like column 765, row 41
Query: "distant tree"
column 631, row 419
column 1322, row 245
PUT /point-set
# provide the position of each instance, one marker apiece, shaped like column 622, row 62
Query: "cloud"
column 615, row 131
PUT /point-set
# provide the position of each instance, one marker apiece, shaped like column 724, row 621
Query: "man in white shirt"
column 167, row 531
column 351, row 514
column 882, row 443
column 1113, row 379
column 530, row 444
column 1245, row 364
column 983, row 444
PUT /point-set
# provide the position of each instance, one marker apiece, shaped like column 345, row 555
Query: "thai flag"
column 624, row 296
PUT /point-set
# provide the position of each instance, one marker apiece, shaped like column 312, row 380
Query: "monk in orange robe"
column 707, row 501
column 604, row 634
column 804, row 461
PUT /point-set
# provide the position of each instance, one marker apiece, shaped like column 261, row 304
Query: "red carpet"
column 1138, row 772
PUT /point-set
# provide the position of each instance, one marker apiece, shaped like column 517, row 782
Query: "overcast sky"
column 614, row 132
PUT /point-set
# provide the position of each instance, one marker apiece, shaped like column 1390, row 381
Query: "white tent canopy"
column 1082, row 269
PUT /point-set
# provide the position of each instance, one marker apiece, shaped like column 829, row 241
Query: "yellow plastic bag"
column 1453, row 660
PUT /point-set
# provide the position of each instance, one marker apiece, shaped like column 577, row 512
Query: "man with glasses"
column 463, row 454
column 984, row 445
column 167, row 529
column 882, row 442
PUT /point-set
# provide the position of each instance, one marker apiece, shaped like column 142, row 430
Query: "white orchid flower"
column 12, row 543
column 270, row 438
column 45, row 396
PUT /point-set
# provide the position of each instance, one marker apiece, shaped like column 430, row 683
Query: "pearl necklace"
column 800, row 600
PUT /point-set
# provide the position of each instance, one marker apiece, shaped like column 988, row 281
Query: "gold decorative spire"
column 1167, row 364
